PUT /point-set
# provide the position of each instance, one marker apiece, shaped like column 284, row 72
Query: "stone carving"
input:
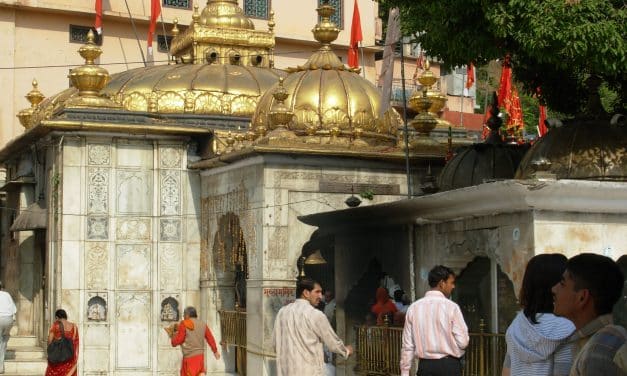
column 96, row 266
column 463, row 246
column 169, row 309
column 98, row 155
column 97, row 309
column 277, row 244
column 170, row 192
column 133, row 269
column 97, row 228
column 170, row 157
column 134, row 192
column 170, row 266
column 133, row 229
column 98, row 191
column 133, row 326
column 170, row 230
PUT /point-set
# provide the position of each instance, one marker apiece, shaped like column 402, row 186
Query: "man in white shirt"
column 299, row 332
column 435, row 331
column 7, row 317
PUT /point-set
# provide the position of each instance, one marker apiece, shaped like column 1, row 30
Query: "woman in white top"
column 536, row 339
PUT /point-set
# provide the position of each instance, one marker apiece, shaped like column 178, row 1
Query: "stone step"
column 23, row 341
column 24, row 352
column 24, row 367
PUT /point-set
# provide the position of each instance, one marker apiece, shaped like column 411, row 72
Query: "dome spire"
column 220, row 32
column 34, row 97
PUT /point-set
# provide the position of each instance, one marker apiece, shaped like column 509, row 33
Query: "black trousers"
column 447, row 366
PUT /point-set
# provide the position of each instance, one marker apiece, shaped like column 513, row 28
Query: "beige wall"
column 35, row 39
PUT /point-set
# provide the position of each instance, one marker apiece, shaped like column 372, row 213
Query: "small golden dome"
column 225, row 14
column 214, row 89
column 328, row 99
column 583, row 149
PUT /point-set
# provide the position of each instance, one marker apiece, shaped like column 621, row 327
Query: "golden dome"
column 191, row 88
column 327, row 98
column 225, row 14
column 589, row 150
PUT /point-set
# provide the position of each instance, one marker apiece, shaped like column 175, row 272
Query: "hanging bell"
column 315, row 259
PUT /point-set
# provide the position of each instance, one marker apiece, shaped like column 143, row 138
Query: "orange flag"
column 470, row 75
column 505, row 84
column 155, row 10
column 356, row 37
column 98, row 21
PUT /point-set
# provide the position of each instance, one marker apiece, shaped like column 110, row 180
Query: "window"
column 257, row 8
column 78, row 34
column 337, row 17
column 184, row 4
column 162, row 46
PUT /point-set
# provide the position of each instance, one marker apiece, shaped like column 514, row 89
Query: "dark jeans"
column 447, row 366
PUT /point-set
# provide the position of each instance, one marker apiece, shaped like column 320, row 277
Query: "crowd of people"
column 564, row 327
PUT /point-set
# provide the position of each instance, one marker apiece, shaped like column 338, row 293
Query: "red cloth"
column 155, row 10
column 98, row 21
column 193, row 366
column 470, row 75
column 68, row 368
column 356, row 37
column 505, row 84
column 383, row 306
column 541, row 125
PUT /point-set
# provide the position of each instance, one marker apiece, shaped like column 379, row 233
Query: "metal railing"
column 378, row 350
column 233, row 328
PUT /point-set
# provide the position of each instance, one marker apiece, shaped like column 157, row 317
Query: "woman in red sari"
column 384, row 305
column 67, row 368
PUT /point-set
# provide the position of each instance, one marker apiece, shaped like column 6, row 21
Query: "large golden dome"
column 328, row 99
column 219, row 89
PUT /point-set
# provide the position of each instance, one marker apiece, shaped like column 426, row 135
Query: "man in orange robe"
column 190, row 335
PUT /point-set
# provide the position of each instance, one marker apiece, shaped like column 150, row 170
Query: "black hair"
column 601, row 276
column 303, row 284
column 439, row 273
column 398, row 295
column 190, row 311
column 541, row 274
column 60, row 314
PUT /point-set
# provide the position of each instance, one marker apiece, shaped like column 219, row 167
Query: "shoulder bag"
column 60, row 350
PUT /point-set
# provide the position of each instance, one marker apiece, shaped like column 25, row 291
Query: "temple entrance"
column 231, row 259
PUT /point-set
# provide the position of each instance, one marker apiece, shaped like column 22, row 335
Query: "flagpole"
column 135, row 31
column 165, row 37
column 461, row 104
column 363, row 66
column 405, row 127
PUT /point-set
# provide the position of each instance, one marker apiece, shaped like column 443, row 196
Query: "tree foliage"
column 554, row 44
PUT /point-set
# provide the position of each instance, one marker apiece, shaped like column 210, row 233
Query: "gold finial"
column 89, row 78
column 280, row 116
column 35, row 96
column 175, row 28
column 325, row 30
column 271, row 23
column 195, row 16
column 424, row 122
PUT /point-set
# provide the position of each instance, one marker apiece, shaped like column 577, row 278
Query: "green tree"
column 554, row 44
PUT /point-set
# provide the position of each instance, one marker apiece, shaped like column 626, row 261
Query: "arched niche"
column 474, row 294
column 97, row 309
column 170, row 309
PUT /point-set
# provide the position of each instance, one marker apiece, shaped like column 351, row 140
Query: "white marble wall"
column 277, row 191
column 129, row 234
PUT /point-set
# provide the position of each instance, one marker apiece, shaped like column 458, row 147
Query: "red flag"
column 515, row 122
column 419, row 64
column 505, row 85
column 98, row 21
column 356, row 37
column 470, row 75
column 485, row 131
column 541, row 125
column 155, row 10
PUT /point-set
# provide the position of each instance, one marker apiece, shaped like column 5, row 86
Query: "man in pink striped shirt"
column 435, row 331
